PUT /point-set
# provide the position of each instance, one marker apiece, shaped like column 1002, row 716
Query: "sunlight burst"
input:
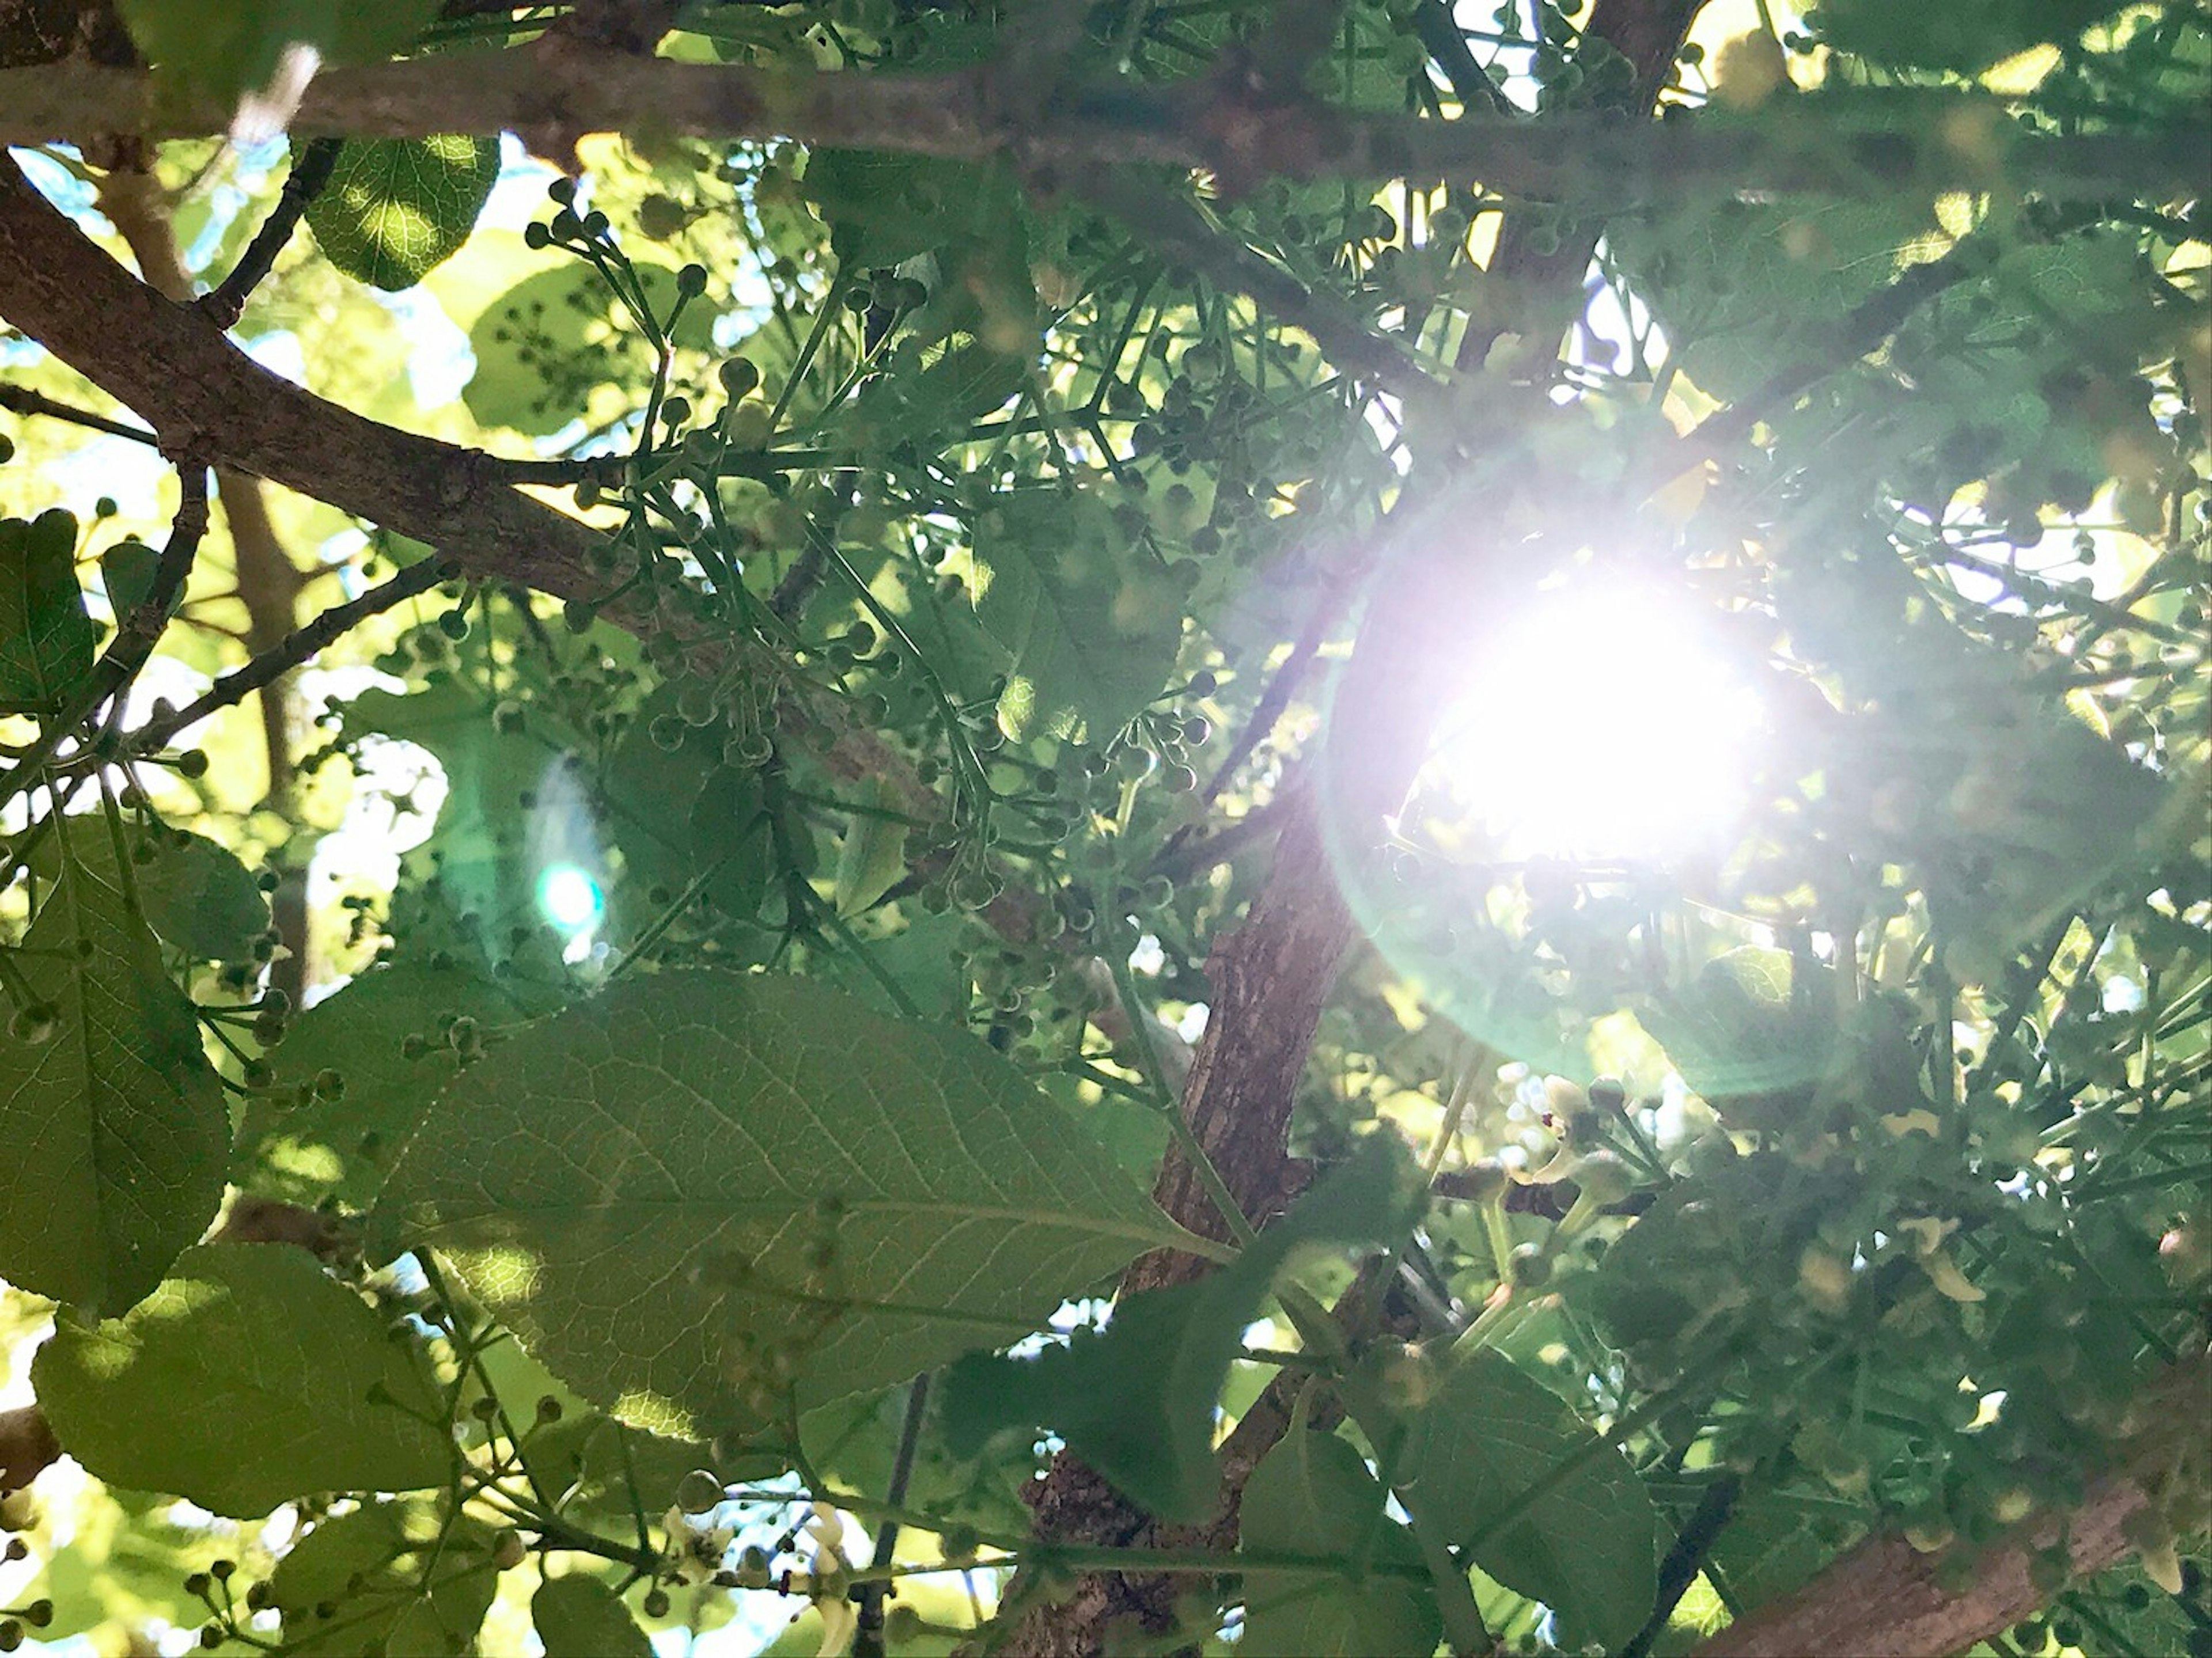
column 1604, row 725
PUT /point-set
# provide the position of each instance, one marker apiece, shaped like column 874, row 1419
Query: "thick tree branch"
column 1216, row 123
column 174, row 368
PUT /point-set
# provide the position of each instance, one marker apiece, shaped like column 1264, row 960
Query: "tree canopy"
column 1320, row 826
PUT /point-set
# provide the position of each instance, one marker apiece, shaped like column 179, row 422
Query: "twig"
column 23, row 400
column 1686, row 1559
column 868, row 1639
column 227, row 303
column 242, row 682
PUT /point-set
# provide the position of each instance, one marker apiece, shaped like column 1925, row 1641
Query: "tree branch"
column 1217, row 123
column 1884, row 1596
column 295, row 649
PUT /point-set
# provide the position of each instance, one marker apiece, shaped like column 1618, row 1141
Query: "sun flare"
column 1603, row 725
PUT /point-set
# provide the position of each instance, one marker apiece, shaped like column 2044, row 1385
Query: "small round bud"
column 655, row 1604
column 192, row 763
column 698, row 1492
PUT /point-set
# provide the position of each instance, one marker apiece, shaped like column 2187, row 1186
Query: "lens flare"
column 569, row 899
column 1604, row 725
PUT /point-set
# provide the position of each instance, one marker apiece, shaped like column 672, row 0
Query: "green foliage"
column 579, row 1617
column 386, row 1578
column 1507, row 1471
column 696, row 1195
column 1313, row 1495
column 225, row 48
column 196, row 895
column 46, row 638
column 1090, row 624
column 394, row 208
column 113, row 1110
column 1964, row 38
column 272, row 1382
column 1136, row 1401
column 758, row 922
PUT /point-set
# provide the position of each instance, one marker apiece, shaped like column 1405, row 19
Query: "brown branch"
column 227, row 303
column 294, row 649
column 178, row 373
column 1884, row 1596
column 1210, row 123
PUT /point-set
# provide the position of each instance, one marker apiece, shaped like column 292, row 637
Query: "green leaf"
column 1137, row 1402
column 1964, row 36
column 496, row 779
column 126, row 573
column 387, row 1581
column 226, row 48
column 46, row 638
column 700, row 1182
column 248, row 1378
column 1093, row 623
column 1313, row 1495
column 680, row 813
column 394, row 208
column 114, row 1122
column 884, row 209
column 342, row 1145
column 1735, row 281
column 578, row 1617
column 872, row 857
column 546, row 344
column 1585, row 1546
column 193, row 893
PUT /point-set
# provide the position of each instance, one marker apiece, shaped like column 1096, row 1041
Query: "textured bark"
column 1215, row 122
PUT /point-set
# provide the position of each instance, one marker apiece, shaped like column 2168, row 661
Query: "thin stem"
column 310, row 173
column 241, row 683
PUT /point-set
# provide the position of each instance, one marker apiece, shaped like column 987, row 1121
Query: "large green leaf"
column 226, row 48
column 699, row 1184
column 1093, row 623
column 387, row 1581
column 1585, row 1544
column 112, row 1118
column 248, row 1378
column 46, row 638
column 578, row 1617
column 1734, row 280
column 1137, row 1403
column 396, row 207
column 1313, row 1495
